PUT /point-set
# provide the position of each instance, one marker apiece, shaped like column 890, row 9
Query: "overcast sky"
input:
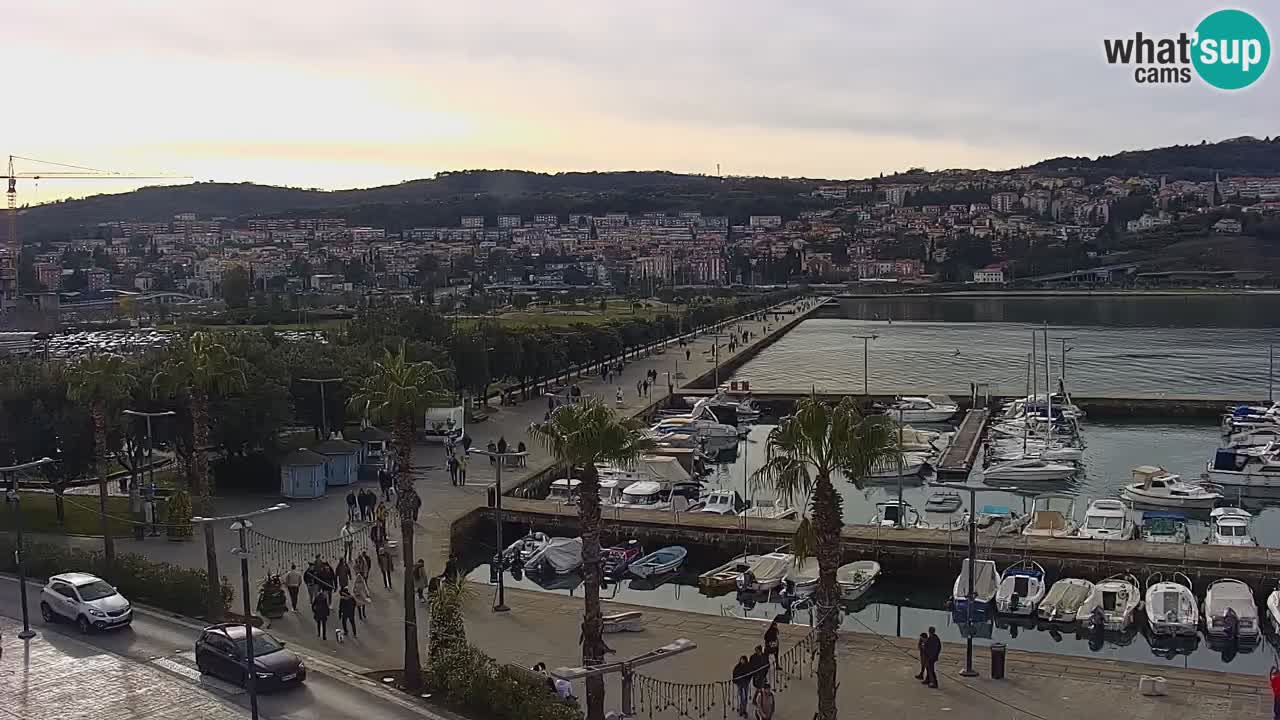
column 326, row 94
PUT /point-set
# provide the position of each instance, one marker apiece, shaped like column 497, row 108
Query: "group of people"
column 562, row 688
column 753, row 673
column 349, row 579
column 361, row 505
column 645, row 386
column 930, row 647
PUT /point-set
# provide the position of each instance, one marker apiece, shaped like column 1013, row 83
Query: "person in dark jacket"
column 924, row 637
column 771, row 642
column 347, row 612
column 932, row 651
column 742, row 673
column 760, row 665
column 320, row 610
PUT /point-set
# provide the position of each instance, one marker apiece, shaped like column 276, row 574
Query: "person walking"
column 502, row 445
column 522, row 449
column 378, row 535
column 361, row 565
column 370, row 502
column 310, row 579
column 380, row 516
column 932, row 652
column 328, row 579
column 343, row 572
column 347, row 612
column 760, row 667
column 360, row 591
column 384, row 482
column 348, row 535
column 386, row 564
column 742, row 682
column 492, row 448
column 420, row 578
column 453, row 471
column 687, row 354
column 771, row 642
column 764, row 702
column 320, row 610
column 293, row 583
column 351, row 505
column 924, row 639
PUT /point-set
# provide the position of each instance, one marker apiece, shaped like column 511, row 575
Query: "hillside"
column 1237, row 156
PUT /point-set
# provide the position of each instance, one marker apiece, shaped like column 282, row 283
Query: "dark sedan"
column 221, row 652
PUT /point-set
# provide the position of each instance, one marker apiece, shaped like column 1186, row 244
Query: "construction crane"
column 62, row 171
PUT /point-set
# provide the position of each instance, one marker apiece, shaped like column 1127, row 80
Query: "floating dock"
column 957, row 461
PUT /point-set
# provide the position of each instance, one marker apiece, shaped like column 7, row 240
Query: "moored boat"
column 931, row 409
column 804, row 576
column 1171, row 605
column 725, row 577
column 519, row 552
column 1154, row 486
column 1112, row 605
column 618, row 558
column 1052, row 515
column 1029, row 469
column 766, row 573
column 856, row 578
column 561, row 556
column 1022, row 587
column 986, row 581
column 1241, row 623
column 1165, row 527
column 659, row 562
column 1064, row 599
column 1107, row 519
column 1230, row 526
column 892, row 514
column 943, row 501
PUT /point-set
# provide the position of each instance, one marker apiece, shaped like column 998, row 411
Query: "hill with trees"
column 1237, row 156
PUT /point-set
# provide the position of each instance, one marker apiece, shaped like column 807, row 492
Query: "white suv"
column 85, row 599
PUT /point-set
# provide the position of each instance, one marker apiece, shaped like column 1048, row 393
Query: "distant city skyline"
column 311, row 95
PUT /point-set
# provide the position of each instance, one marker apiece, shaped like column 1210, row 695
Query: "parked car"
column 221, row 651
column 87, row 600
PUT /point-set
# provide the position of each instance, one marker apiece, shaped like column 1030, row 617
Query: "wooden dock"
column 957, row 461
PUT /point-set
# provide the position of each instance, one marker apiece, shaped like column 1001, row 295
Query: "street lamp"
column 968, row 670
column 12, row 497
column 627, row 669
column 501, row 457
column 135, row 499
column 866, row 339
column 241, row 525
column 324, row 417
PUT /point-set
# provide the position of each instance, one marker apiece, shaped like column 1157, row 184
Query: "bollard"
column 997, row 661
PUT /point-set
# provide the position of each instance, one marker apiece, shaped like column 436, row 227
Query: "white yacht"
column 1052, row 515
column 913, row 463
column 1230, row 526
column 1113, row 602
column 564, row 491
column 715, row 437
column 1254, row 437
column 891, row 514
column 770, row 509
column 1022, row 587
column 1019, row 407
column 1006, row 449
column 1237, row 596
column 1171, row 605
column 856, row 578
column 723, row 502
column 1029, row 469
column 1247, row 417
column 1157, row 487
column 1252, row 467
column 931, row 409
column 1165, row 527
column 1107, row 519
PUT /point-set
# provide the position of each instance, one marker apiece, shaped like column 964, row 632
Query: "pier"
column 957, row 461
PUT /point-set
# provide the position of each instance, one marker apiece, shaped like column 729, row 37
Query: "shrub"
column 168, row 587
column 478, row 686
column 179, row 515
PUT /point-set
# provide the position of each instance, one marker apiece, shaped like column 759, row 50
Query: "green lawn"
column 38, row 515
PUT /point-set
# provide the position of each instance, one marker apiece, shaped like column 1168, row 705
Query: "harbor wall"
column 707, row 380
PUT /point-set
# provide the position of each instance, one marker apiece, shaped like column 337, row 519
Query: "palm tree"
column 103, row 381
column 199, row 367
column 802, row 455
column 396, row 392
column 578, row 436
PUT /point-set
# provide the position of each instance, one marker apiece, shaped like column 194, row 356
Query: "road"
column 330, row 692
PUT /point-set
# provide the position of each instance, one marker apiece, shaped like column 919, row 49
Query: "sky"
column 339, row 95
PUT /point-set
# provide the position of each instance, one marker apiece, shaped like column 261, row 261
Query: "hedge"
column 158, row 584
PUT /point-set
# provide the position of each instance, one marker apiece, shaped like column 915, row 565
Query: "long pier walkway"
column 957, row 461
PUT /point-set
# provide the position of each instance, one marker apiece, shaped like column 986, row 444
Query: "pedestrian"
column 320, row 610
column 522, row 449
column 687, row 354
column 384, row 482
column 360, row 591
column 466, row 442
column 646, row 388
column 920, row 645
column 420, row 578
column 932, row 651
column 351, row 505
column 764, row 702
column 502, row 445
column 348, row 535
column 760, row 667
column 771, row 642
column 462, row 470
column 370, row 502
column 361, row 565
column 293, row 583
column 328, row 579
column 378, row 535
column 453, row 471
column 310, row 579
column 380, row 515
column 343, row 572
column 347, row 612
column 1275, row 691
column 742, row 682
column 386, row 564
column 551, row 403
column 618, row 398
column 491, row 448
column 639, row 388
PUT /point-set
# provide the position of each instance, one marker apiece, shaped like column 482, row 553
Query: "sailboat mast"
column 1048, row 389
column 1026, row 418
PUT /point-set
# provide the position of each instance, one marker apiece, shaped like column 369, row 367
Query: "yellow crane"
column 57, row 171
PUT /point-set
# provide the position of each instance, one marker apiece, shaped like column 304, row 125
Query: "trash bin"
column 997, row 661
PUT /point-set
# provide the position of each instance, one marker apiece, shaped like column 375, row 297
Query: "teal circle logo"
column 1232, row 49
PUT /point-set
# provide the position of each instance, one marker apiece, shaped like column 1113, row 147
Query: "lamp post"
column 498, row 560
column 12, row 497
column 135, row 497
column 241, row 524
column 866, row 340
column 627, row 669
column 324, row 409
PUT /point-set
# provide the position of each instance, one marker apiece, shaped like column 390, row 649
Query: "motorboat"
column 1107, row 519
column 1052, row 515
column 1230, row 526
column 1273, row 608
column 1248, row 417
column 1165, row 527
column 618, row 558
column 1029, row 469
column 913, row 463
column 1113, row 603
column 659, row 562
column 518, row 553
column 1002, row 515
column 1064, row 599
column 943, row 501
column 931, row 409
column 725, row 577
column 1251, row 467
column 892, row 514
column 770, row 509
column 1254, row 437
column 986, row 581
column 723, row 502
column 1157, row 487
column 1022, row 587
column 1233, row 595
column 744, row 409
column 665, row 471
column 564, row 491
column 1171, row 605
column 804, row 576
column 1008, row 449
column 559, row 556
column 856, row 578
column 766, row 573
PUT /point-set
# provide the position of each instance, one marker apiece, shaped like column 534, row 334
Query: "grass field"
column 39, row 515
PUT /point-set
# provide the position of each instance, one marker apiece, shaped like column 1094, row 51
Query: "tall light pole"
column 135, row 494
column 866, row 340
column 241, row 524
column 498, row 560
column 13, row 497
column 324, row 409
